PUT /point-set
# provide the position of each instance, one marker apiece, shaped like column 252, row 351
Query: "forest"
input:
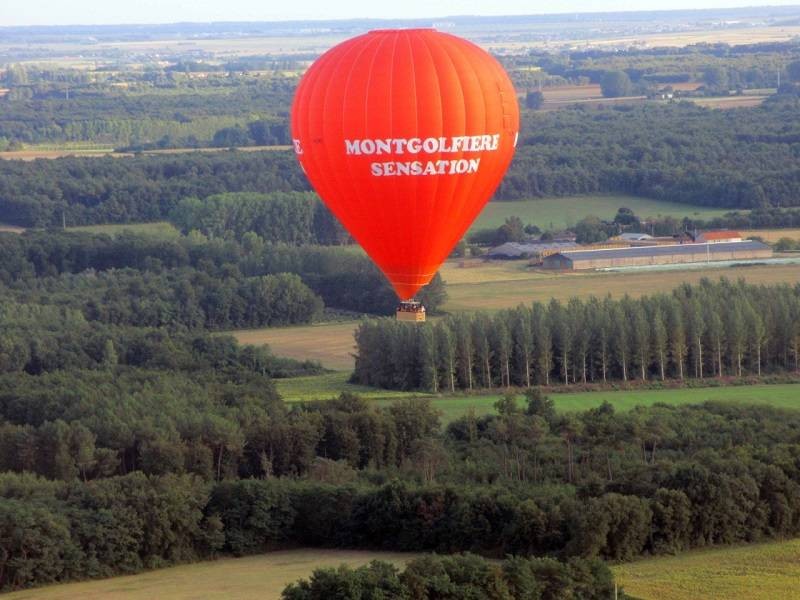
column 527, row 481
column 738, row 158
column 712, row 330
column 178, row 116
column 192, row 281
column 131, row 437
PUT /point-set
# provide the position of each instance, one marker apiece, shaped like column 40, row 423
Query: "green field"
column 159, row 229
column 260, row 577
column 783, row 396
column 325, row 387
column 756, row 572
column 558, row 213
column 452, row 407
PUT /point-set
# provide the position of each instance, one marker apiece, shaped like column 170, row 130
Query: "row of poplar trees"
column 714, row 329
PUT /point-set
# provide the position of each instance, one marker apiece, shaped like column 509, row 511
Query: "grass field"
column 558, row 213
column 330, row 343
column 322, row 387
column 60, row 151
column 755, row 572
column 260, row 577
column 159, row 229
column 473, row 293
column 782, row 396
column 772, row 235
column 729, row 101
column 11, row 228
column 329, row 385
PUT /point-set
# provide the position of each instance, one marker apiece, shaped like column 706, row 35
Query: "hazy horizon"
column 156, row 12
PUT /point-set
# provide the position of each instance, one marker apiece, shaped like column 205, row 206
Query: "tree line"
column 709, row 330
column 39, row 113
column 461, row 576
column 78, row 267
column 86, row 191
column 176, row 298
column 525, row 481
column 278, row 217
column 36, row 339
column 742, row 158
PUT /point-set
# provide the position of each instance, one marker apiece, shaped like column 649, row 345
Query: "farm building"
column 634, row 237
column 656, row 255
column 715, row 237
column 529, row 250
column 645, row 239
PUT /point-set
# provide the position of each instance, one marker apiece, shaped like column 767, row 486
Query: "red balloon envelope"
column 405, row 134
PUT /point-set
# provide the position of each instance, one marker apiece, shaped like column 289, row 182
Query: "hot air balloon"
column 405, row 134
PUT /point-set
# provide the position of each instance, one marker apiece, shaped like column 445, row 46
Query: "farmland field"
column 558, row 213
column 781, row 396
column 756, row 572
column 11, row 228
column 567, row 93
column 772, row 235
column 330, row 343
column 329, row 385
column 158, row 229
column 62, row 150
column 539, row 285
column 453, row 407
column 261, row 577
column 729, row 101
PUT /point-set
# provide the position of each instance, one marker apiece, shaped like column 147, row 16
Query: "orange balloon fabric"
column 405, row 134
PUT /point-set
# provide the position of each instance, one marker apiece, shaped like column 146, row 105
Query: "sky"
column 91, row 12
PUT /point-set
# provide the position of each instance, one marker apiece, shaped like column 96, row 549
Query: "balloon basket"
column 411, row 311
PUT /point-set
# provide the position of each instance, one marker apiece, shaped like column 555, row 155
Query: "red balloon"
column 405, row 134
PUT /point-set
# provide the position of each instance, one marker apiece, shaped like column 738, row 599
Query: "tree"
column 563, row 331
column 793, row 71
column 620, row 339
column 616, row 84
column 540, row 405
column 543, row 343
column 577, row 316
column 639, row 330
column 481, row 326
column 756, row 332
column 465, row 352
column 428, row 359
column 522, row 336
column 511, row 231
column 110, row 357
column 433, row 295
column 658, row 336
column 231, row 137
column 716, row 77
column 590, row 230
column 502, row 344
column 534, row 100
column 446, row 354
